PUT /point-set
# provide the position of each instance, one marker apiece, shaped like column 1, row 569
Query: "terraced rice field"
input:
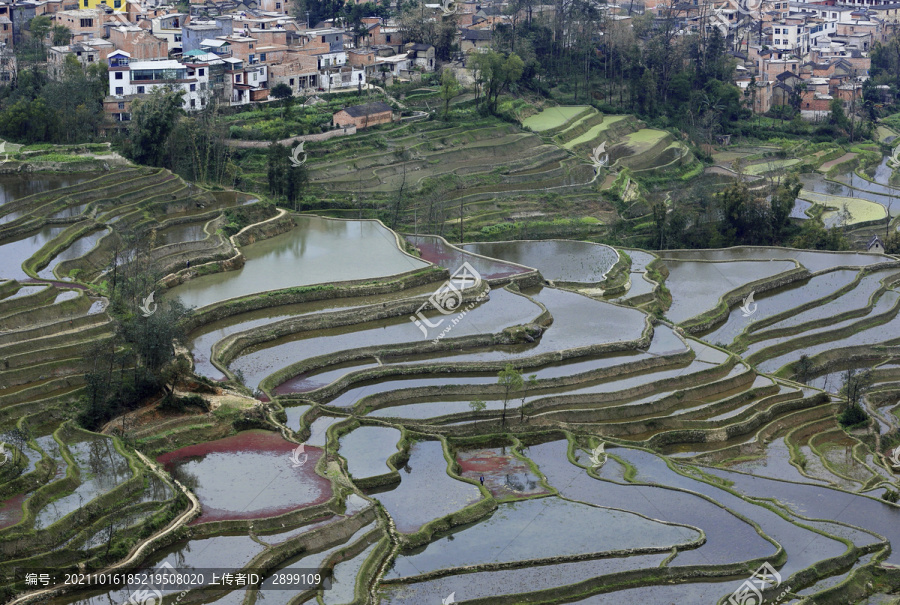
column 557, row 260
column 770, row 166
column 434, row 178
column 553, row 117
column 353, row 424
column 859, row 210
column 868, row 195
column 593, row 133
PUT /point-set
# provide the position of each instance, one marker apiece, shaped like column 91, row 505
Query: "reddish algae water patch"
column 504, row 474
column 251, row 475
column 11, row 510
column 435, row 251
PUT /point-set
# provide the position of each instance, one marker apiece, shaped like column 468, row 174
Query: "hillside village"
column 784, row 52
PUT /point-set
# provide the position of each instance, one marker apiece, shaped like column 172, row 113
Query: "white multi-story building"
column 129, row 78
column 829, row 13
column 336, row 72
column 790, row 37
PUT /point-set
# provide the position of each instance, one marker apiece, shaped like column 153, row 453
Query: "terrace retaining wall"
column 710, row 319
column 313, row 293
column 325, row 393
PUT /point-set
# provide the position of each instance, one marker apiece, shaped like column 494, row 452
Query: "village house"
column 129, row 78
column 363, row 116
column 139, row 43
column 83, row 23
column 58, row 55
column 475, row 40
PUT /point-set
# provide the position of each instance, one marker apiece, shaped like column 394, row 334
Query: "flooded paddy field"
column 697, row 286
column 317, row 251
column 436, row 250
column 557, row 260
column 273, row 486
column 367, row 449
column 426, row 472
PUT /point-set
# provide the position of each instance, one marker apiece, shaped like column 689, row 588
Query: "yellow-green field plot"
column 644, row 139
column 770, row 166
column 884, row 133
column 722, row 157
column 860, row 210
column 553, row 117
column 591, row 134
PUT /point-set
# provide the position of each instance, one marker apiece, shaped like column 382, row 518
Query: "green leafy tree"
column 814, row 236
column 152, row 338
column 449, row 88
column 871, row 99
column 838, row 116
column 286, row 178
column 734, row 201
column 197, row 148
column 510, row 379
column 29, row 121
column 319, row 10
column 476, row 406
column 803, row 369
column 153, row 119
column 783, row 202
column 892, row 243
column 495, row 73
column 856, row 384
column 135, row 363
column 60, row 35
column 281, row 91
column 40, row 27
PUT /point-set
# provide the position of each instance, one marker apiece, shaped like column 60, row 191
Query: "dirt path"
column 719, row 169
column 829, row 165
column 389, row 97
column 215, row 400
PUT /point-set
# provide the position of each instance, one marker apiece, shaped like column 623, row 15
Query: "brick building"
column 363, row 116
